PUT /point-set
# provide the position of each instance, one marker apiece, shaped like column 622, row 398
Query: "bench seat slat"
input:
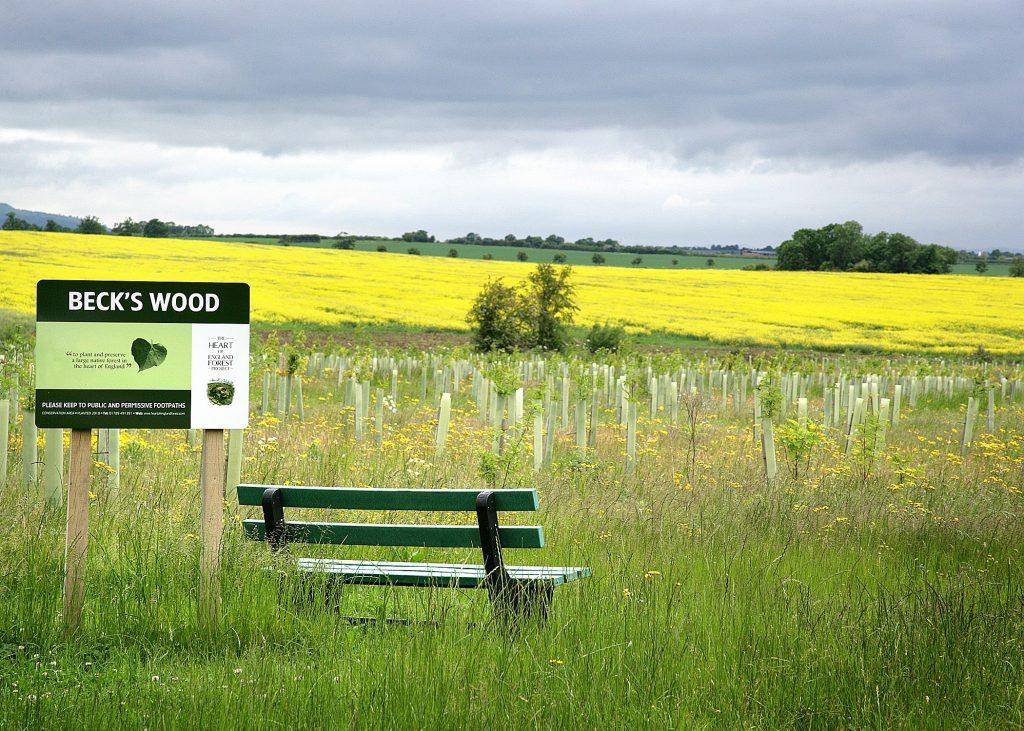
column 465, row 576
column 373, row 498
column 383, row 534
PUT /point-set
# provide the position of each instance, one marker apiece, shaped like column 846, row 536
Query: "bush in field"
column 522, row 256
column 453, row 253
column 981, row 266
column 538, row 316
column 558, row 258
column 605, row 338
column 487, row 257
column 382, row 248
column 1017, row 267
column 418, row 236
column 637, row 260
column 414, row 251
column 710, row 262
column 552, row 299
column 344, row 242
column 597, row 259
column 498, row 318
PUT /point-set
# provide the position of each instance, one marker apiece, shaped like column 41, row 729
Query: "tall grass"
column 856, row 596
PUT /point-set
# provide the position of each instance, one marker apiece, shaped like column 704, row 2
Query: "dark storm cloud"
column 706, row 83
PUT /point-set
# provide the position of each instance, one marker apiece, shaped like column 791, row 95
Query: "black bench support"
column 511, row 599
column 273, row 518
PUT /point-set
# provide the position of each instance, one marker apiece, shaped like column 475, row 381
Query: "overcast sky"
column 685, row 123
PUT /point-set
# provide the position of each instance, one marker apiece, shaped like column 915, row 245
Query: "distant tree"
column 413, row 250
column 344, row 242
column 710, row 262
column 128, row 227
column 981, row 266
column 553, row 239
column 13, row 223
column 558, row 258
column 155, row 229
column 511, row 238
column 91, row 225
column 675, row 262
column 637, row 261
column 53, row 227
column 487, row 256
column 597, row 259
column 417, row 236
column 552, row 299
column 453, row 253
column 534, row 241
column 382, row 248
column 1017, row 267
column 521, row 256
column 498, row 318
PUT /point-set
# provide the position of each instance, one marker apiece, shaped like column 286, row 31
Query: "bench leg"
column 522, row 601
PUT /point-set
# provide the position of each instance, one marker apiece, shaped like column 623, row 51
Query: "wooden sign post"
column 141, row 355
column 77, row 536
column 212, row 486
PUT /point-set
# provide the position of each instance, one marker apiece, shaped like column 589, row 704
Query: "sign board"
column 157, row 355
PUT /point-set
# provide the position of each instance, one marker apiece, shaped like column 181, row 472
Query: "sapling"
column 694, row 409
column 358, row 415
column 771, row 398
column 630, row 435
column 538, row 440
column 967, row 433
column 29, row 448
column 114, row 459
column 300, row 407
column 443, row 417
column 379, row 414
column 798, row 442
column 234, row 473
column 5, row 438
column 53, row 467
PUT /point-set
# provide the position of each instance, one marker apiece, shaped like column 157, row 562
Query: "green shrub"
column 606, row 338
column 498, row 318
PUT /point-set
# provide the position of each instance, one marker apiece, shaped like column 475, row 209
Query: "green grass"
column 509, row 253
column 576, row 258
column 857, row 596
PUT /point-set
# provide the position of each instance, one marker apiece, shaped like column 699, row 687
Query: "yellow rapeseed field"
column 293, row 284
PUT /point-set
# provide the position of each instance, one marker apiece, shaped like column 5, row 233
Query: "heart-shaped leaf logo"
column 147, row 354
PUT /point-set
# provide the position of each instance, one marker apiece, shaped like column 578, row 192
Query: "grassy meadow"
column 879, row 587
column 329, row 288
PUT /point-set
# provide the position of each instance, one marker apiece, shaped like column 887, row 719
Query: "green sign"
column 159, row 355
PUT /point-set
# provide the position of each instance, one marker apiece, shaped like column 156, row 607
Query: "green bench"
column 513, row 590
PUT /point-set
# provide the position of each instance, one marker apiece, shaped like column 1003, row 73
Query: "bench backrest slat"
column 382, row 534
column 372, row 498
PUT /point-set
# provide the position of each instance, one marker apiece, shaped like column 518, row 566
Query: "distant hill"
column 38, row 218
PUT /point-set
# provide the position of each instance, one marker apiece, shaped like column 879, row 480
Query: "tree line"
column 845, row 247
column 153, row 228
